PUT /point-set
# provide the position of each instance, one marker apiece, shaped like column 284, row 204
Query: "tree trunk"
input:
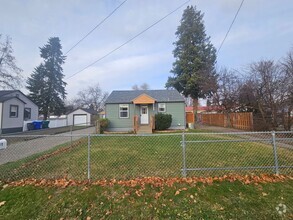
column 45, row 116
column 262, row 114
column 289, row 124
column 195, row 105
column 284, row 120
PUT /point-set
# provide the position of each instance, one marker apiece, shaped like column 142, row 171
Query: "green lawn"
column 127, row 156
column 223, row 200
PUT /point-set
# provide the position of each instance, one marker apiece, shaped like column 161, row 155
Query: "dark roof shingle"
column 6, row 92
column 126, row 96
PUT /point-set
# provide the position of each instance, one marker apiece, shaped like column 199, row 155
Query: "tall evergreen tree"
column 194, row 67
column 46, row 85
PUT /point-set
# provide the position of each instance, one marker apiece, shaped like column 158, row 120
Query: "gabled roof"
column 126, row 96
column 88, row 110
column 91, row 111
column 144, row 99
column 5, row 98
column 4, row 93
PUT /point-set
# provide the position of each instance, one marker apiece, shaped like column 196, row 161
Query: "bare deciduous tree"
column 287, row 68
column 143, row 86
column 92, row 97
column 10, row 74
column 266, row 91
column 227, row 93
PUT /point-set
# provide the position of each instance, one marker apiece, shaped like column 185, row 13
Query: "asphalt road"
column 22, row 149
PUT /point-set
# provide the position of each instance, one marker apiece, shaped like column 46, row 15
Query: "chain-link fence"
column 83, row 156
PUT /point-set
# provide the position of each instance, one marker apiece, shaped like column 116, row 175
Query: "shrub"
column 163, row 121
column 104, row 123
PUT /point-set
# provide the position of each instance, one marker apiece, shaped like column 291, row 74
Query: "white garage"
column 81, row 117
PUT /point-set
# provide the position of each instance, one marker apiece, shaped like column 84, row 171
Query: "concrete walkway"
column 24, row 148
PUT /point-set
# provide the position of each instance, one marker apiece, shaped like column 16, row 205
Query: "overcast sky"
column 263, row 30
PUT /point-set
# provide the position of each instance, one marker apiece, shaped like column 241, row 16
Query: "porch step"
column 144, row 129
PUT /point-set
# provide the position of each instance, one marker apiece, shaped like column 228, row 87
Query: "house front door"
column 144, row 115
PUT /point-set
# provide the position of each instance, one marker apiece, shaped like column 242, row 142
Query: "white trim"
column 127, row 111
column 163, row 104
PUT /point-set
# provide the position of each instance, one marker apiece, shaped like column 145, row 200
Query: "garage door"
column 79, row 120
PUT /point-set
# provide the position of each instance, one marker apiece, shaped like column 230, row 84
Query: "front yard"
column 127, row 157
column 124, row 156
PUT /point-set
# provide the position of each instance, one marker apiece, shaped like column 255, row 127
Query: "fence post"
column 275, row 152
column 89, row 157
column 183, row 155
column 71, row 135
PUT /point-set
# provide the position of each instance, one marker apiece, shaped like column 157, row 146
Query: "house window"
column 13, row 111
column 162, row 107
column 27, row 113
column 124, row 111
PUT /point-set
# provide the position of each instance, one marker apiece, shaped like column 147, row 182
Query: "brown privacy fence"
column 189, row 117
column 243, row 121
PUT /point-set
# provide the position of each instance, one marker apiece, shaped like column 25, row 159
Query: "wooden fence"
column 189, row 117
column 242, row 121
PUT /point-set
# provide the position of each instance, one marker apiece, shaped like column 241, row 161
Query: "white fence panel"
column 58, row 122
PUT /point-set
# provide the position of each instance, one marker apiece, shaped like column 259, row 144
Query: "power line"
column 131, row 39
column 230, row 27
column 101, row 22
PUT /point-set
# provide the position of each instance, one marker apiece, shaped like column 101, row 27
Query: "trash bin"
column 45, row 124
column 37, row 124
column 30, row 126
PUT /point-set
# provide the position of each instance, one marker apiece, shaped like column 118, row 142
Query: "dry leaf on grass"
column 158, row 194
column 2, row 203
column 153, row 181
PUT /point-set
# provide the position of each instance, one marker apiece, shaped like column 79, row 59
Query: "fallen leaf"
column 138, row 193
column 2, row 203
column 158, row 194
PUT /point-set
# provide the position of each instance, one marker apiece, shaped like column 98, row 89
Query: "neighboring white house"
column 81, row 116
column 15, row 108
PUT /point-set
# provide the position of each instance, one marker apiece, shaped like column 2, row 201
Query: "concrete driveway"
column 24, row 148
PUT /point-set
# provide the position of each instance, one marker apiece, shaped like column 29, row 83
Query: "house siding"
column 116, row 123
column 12, row 124
column 177, row 110
column 28, row 104
column 1, row 107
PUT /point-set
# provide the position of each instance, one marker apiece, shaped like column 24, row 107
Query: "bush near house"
column 163, row 121
column 104, row 123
